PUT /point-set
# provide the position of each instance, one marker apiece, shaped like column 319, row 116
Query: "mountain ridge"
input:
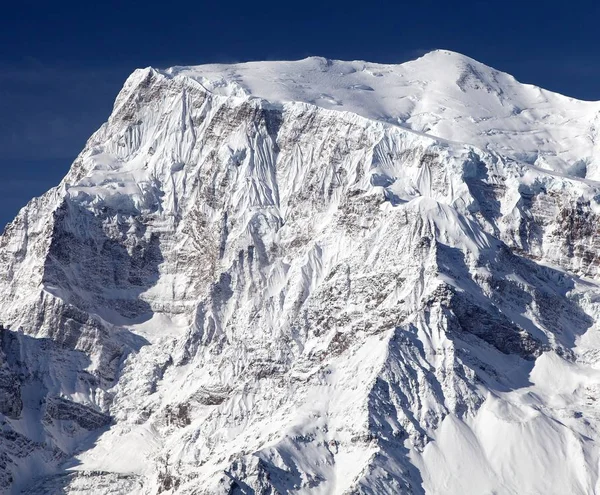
column 456, row 57
column 510, row 101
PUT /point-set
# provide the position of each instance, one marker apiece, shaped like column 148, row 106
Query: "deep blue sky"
column 62, row 63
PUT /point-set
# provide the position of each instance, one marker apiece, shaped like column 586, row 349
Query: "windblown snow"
column 311, row 277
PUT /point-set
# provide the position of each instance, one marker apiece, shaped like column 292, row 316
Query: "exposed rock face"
column 238, row 288
column 11, row 403
column 40, row 429
column 59, row 409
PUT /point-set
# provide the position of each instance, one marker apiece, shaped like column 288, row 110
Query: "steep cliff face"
column 310, row 277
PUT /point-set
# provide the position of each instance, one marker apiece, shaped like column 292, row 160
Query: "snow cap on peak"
column 443, row 94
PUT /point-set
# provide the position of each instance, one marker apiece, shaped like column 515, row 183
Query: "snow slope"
column 443, row 94
column 311, row 277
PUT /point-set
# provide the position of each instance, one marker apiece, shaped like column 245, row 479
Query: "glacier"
column 311, row 277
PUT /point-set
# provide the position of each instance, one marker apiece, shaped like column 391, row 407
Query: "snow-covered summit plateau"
column 311, row 277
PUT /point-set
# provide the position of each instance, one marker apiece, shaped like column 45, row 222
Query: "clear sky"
column 62, row 63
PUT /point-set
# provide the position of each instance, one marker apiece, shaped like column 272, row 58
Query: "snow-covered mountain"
column 311, row 277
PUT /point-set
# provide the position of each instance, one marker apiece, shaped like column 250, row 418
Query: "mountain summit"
column 315, row 277
column 443, row 94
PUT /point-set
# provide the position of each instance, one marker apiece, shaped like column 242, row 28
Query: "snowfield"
column 311, row 277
